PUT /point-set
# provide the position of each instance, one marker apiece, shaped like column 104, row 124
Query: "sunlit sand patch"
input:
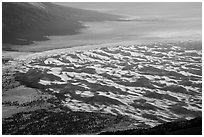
column 53, row 61
column 85, row 93
column 44, row 82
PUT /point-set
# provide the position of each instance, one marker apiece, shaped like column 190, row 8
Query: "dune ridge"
column 152, row 83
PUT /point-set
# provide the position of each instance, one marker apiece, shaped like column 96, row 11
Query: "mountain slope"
column 23, row 23
column 184, row 127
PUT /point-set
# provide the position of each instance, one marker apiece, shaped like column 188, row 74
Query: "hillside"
column 23, row 23
column 185, row 127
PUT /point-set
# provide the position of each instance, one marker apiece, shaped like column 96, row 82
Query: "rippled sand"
column 153, row 83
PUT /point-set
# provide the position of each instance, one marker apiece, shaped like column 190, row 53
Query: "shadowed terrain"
column 26, row 22
column 186, row 127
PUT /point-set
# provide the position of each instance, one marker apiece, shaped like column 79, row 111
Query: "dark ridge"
column 184, row 127
column 23, row 23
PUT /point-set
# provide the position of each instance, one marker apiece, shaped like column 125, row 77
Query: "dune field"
column 153, row 83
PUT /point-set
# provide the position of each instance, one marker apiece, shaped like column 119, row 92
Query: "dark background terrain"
column 27, row 22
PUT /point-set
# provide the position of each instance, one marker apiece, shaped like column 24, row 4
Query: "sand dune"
column 153, row 83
